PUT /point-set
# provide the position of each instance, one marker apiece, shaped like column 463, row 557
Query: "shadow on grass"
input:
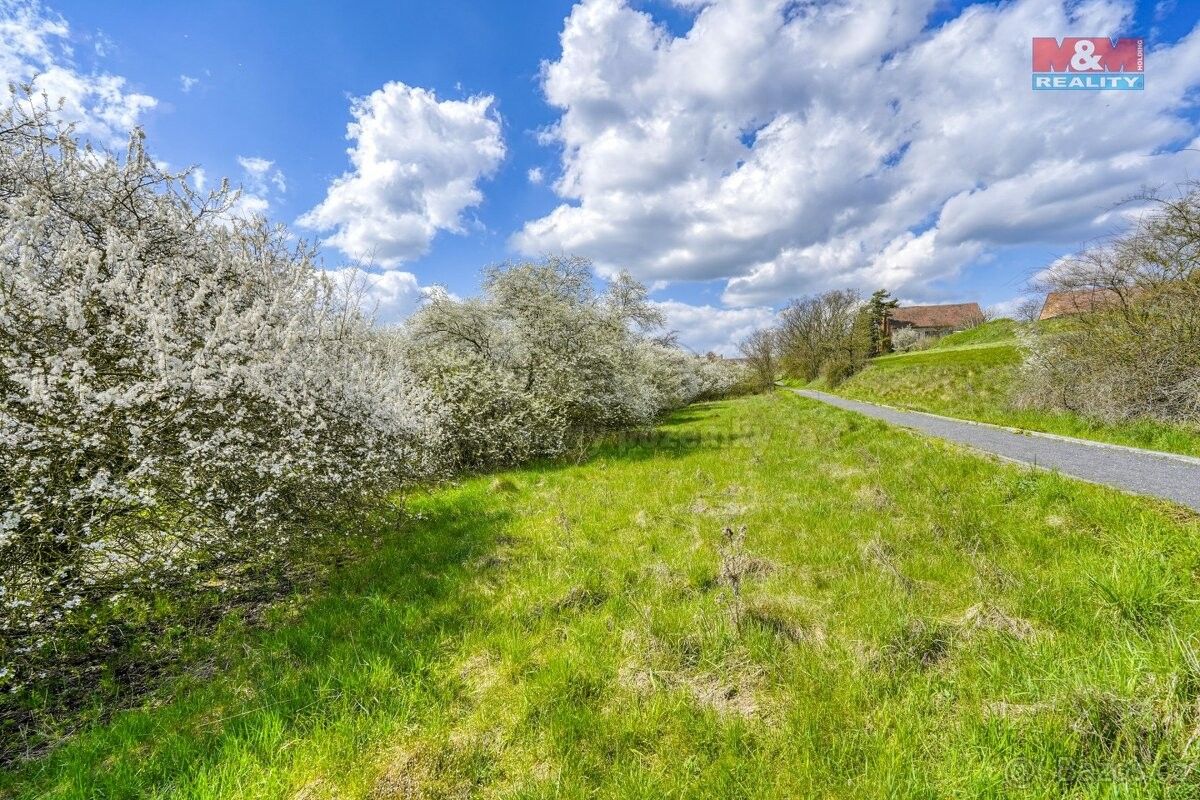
column 318, row 660
column 687, row 431
column 642, row 445
column 689, row 415
column 409, row 587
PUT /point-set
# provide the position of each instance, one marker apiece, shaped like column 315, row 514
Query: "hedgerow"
column 188, row 405
column 541, row 362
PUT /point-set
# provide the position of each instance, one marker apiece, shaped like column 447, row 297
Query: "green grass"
column 999, row 330
column 973, row 375
column 915, row 621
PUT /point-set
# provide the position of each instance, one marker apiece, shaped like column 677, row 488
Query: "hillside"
column 973, row 375
column 572, row 631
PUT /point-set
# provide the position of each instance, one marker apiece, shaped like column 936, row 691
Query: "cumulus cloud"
column 35, row 48
column 259, row 172
column 789, row 148
column 261, row 181
column 416, row 164
column 1010, row 308
column 535, row 176
column 389, row 296
column 187, row 83
column 708, row 328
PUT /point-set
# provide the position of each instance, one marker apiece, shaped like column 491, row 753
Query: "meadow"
column 762, row 597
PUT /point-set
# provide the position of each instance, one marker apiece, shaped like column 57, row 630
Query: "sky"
column 732, row 154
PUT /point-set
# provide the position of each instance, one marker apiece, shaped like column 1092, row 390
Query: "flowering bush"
column 908, row 340
column 179, row 390
column 541, row 362
column 187, row 402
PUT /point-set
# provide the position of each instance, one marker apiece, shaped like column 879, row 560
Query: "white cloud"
column 187, row 83
column 1010, row 308
column 247, row 206
column 260, row 181
column 705, row 328
column 35, row 46
column 389, row 296
column 416, row 163
column 259, row 174
column 102, row 44
column 786, row 149
column 535, row 176
column 199, row 178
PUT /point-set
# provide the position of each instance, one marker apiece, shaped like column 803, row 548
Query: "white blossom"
column 176, row 390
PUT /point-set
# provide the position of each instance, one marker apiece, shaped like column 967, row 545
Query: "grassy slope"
column 972, row 375
column 562, row 632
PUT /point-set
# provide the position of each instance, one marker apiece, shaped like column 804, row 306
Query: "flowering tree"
column 186, row 400
column 179, row 389
column 542, row 361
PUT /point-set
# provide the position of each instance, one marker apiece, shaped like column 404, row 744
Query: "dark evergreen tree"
column 880, row 308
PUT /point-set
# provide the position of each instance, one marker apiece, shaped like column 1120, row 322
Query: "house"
column 1062, row 304
column 935, row 320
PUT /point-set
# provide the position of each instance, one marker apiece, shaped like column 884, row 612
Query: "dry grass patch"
column 403, row 777
column 879, row 554
column 871, row 498
column 703, row 506
column 990, row 576
column 920, row 643
column 788, row 620
column 842, row 472
column 313, row 790
column 1001, row 709
column 502, row 485
column 480, row 672
column 987, row 617
column 730, row 693
column 580, row 597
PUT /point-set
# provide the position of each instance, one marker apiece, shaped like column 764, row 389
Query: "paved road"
column 1140, row 471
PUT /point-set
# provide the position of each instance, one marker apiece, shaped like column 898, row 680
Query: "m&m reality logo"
column 1090, row 62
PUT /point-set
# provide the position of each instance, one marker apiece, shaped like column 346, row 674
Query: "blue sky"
column 275, row 81
column 733, row 153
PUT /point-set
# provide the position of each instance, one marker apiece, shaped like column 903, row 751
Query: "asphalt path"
column 1166, row 475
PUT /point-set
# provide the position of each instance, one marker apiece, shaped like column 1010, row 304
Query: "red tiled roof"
column 1059, row 304
column 953, row 315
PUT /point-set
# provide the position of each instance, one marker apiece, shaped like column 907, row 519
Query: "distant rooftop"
column 1060, row 304
column 951, row 315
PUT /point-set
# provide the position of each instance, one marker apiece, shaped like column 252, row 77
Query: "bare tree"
column 1030, row 309
column 759, row 351
column 1132, row 349
column 825, row 332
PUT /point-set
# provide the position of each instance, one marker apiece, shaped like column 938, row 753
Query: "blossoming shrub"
column 180, row 392
column 1131, row 349
column 908, row 340
column 541, row 362
column 187, row 403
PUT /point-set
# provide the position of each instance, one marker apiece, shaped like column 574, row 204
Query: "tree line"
column 1128, row 347
column 830, row 335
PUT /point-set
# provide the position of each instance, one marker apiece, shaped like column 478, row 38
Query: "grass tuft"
column 502, row 485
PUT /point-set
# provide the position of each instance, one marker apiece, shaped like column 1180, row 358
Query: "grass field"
column 973, row 375
column 913, row 621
